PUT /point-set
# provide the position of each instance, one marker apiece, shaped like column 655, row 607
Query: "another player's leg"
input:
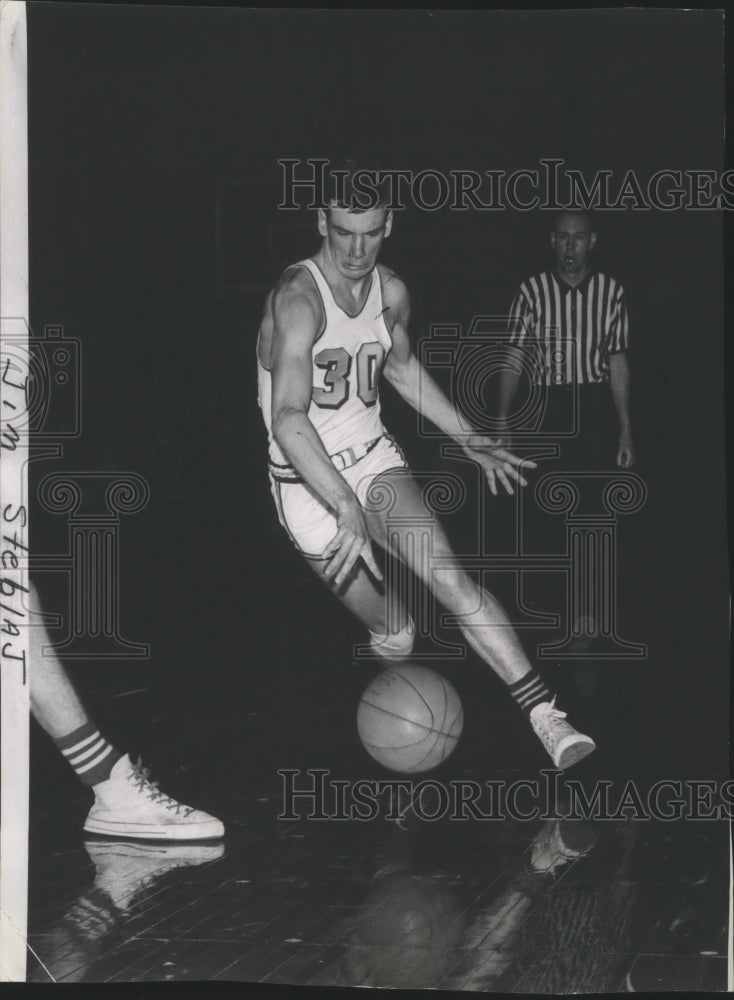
column 126, row 802
column 481, row 618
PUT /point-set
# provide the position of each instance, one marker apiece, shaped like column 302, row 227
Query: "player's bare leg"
column 383, row 614
column 127, row 803
column 484, row 623
column 54, row 701
column 482, row 620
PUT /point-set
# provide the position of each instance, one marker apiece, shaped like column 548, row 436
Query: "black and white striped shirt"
column 573, row 330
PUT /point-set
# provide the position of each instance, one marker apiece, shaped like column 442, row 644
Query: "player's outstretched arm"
column 297, row 322
column 418, row 388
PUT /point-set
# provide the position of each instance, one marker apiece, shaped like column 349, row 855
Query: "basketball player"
column 126, row 803
column 332, row 325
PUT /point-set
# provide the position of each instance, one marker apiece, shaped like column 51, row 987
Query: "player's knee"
column 394, row 645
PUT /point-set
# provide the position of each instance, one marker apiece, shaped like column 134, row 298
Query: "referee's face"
column 572, row 240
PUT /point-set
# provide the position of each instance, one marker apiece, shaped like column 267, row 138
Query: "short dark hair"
column 577, row 212
column 358, row 188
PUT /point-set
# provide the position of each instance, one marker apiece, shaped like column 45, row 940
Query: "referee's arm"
column 619, row 381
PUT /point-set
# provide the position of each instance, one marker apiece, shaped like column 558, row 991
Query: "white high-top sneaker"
column 565, row 745
column 129, row 804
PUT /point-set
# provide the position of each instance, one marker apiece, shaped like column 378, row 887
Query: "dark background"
column 154, row 135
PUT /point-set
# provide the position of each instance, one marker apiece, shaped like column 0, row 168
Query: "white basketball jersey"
column 347, row 361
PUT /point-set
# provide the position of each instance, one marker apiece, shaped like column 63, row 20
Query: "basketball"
column 409, row 718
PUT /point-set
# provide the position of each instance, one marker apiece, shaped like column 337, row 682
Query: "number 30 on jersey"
column 337, row 365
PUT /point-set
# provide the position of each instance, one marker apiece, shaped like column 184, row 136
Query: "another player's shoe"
column 129, row 804
column 564, row 744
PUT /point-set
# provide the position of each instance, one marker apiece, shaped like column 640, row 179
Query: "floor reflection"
column 552, row 928
column 126, row 874
column 412, row 926
column 404, row 933
column 562, row 906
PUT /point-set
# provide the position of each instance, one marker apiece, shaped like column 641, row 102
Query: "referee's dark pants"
column 587, row 441
column 587, row 444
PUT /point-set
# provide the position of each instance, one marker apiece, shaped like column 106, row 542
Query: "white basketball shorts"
column 308, row 521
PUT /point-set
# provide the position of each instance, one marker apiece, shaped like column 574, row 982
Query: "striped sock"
column 529, row 691
column 89, row 753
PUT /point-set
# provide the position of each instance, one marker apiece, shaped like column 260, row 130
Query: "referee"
column 569, row 331
column 569, row 335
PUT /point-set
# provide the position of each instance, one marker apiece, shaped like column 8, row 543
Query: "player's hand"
column 625, row 451
column 498, row 463
column 351, row 542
